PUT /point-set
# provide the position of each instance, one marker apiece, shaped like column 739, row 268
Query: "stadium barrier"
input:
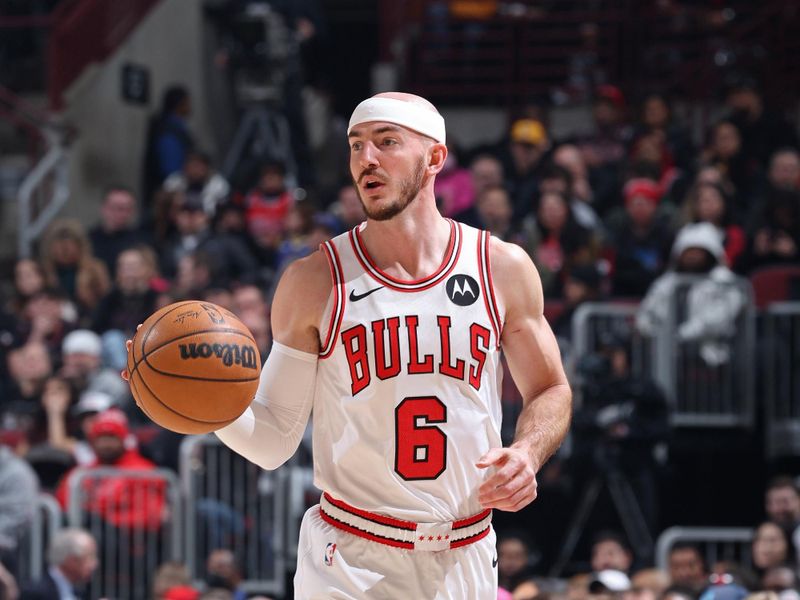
column 701, row 393
column 136, row 518
column 705, row 393
column 47, row 520
column 715, row 543
column 232, row 503
column 781, row 377
column 594, row 323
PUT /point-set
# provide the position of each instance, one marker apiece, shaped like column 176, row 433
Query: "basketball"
column 193, row 367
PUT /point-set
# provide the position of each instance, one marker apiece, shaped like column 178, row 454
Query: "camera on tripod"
column 262, row 50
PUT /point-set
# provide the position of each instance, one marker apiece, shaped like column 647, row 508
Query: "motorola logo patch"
column 462, row 290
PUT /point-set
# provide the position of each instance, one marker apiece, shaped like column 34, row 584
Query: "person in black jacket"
column 624, row 419
column 117, row 228
column 231, row 259
column 72, row 558
column 132, row 299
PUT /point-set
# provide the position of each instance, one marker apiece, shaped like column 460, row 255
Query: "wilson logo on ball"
column 230, row 354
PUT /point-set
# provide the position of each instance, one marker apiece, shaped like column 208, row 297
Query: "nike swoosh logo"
column 494, row 562
column 356, row 297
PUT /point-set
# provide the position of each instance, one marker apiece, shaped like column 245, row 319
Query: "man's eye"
column 389, row 142
column 356, row 146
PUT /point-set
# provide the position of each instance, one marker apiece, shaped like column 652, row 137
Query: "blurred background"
column 644, row 154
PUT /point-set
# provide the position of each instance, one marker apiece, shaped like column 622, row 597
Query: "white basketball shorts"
column 335, row 564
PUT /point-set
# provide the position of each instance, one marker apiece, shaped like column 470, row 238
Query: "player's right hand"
column 513, row 484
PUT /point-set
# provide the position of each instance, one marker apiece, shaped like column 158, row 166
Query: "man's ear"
column 437, row 158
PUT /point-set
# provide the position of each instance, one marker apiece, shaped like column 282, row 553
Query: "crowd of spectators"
column 617, row 212
column 767, row 567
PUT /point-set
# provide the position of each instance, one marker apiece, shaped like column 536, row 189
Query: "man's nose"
column 368, row 157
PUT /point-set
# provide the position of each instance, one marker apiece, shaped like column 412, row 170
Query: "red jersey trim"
column 364, row 534
column 369, row 516
column 486, row 283
column 337, row 277
column 491, row 288
column 448, row 263
column 470, row 540
column 471, row 520
column 402, row 527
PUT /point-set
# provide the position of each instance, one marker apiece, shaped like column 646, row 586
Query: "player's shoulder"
column 514, row 275
column 306, row 282
column 505, row 256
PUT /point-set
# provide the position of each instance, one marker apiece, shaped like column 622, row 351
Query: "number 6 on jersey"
column 420, row 448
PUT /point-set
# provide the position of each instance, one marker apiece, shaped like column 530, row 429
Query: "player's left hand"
column 128, row 344
column 513, row 484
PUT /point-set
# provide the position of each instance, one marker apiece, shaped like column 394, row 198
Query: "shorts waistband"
column 431, row 537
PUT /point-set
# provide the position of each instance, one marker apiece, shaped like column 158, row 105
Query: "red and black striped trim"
column 364, row 534
column 471, row 539
column 337, row 276
column 450, row 259
column 375, row 518
column 485, row 271
column 400, row 533
column 471, row 520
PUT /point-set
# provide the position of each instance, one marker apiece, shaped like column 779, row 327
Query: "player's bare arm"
column 535, row 364
column 271, row 428
column 299, row 303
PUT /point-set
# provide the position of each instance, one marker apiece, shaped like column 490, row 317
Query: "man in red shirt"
column 124, row 502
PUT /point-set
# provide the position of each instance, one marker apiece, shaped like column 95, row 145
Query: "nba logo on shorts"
column 329, row 550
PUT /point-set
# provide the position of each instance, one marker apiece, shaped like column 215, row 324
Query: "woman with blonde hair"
column 68, row 263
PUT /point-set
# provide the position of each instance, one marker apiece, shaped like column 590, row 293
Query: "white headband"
column 408, row 114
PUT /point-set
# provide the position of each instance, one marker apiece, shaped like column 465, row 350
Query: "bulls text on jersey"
column 385, row 361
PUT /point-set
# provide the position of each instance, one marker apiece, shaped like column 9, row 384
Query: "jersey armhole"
column 337, row 277
column 489, row 298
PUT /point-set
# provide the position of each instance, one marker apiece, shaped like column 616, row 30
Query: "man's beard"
column 409, row 189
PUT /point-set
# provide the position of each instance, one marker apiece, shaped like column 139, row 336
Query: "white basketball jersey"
column 408, row 382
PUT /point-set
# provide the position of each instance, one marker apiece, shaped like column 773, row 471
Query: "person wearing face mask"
column 714, row 301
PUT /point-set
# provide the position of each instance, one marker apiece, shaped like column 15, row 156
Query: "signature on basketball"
column 213, row 314
column 181, row 317
column 230, row 354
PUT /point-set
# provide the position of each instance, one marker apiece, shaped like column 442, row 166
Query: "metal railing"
column 705, row 393
column 594, row 322
column 135, row 516
column 781, row 370
column 45, row 188
column 232, row 503
column 43, row 192
column 701, row 394
column 47, row 520
column 715, row 543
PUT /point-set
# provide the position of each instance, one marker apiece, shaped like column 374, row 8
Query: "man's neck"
column 412, row 244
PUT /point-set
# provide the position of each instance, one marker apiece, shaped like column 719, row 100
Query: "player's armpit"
column 270, row 430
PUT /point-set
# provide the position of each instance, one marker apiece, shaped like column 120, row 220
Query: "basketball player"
column 392, row 333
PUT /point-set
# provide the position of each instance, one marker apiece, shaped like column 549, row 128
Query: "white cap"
column 82, row 341
column 699, row 235
column 609, row 580
column 93, row 401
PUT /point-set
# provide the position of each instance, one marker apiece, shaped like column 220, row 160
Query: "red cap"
column 181, row 592
column 611, row 93
column 641, row 186
column 110, row 422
